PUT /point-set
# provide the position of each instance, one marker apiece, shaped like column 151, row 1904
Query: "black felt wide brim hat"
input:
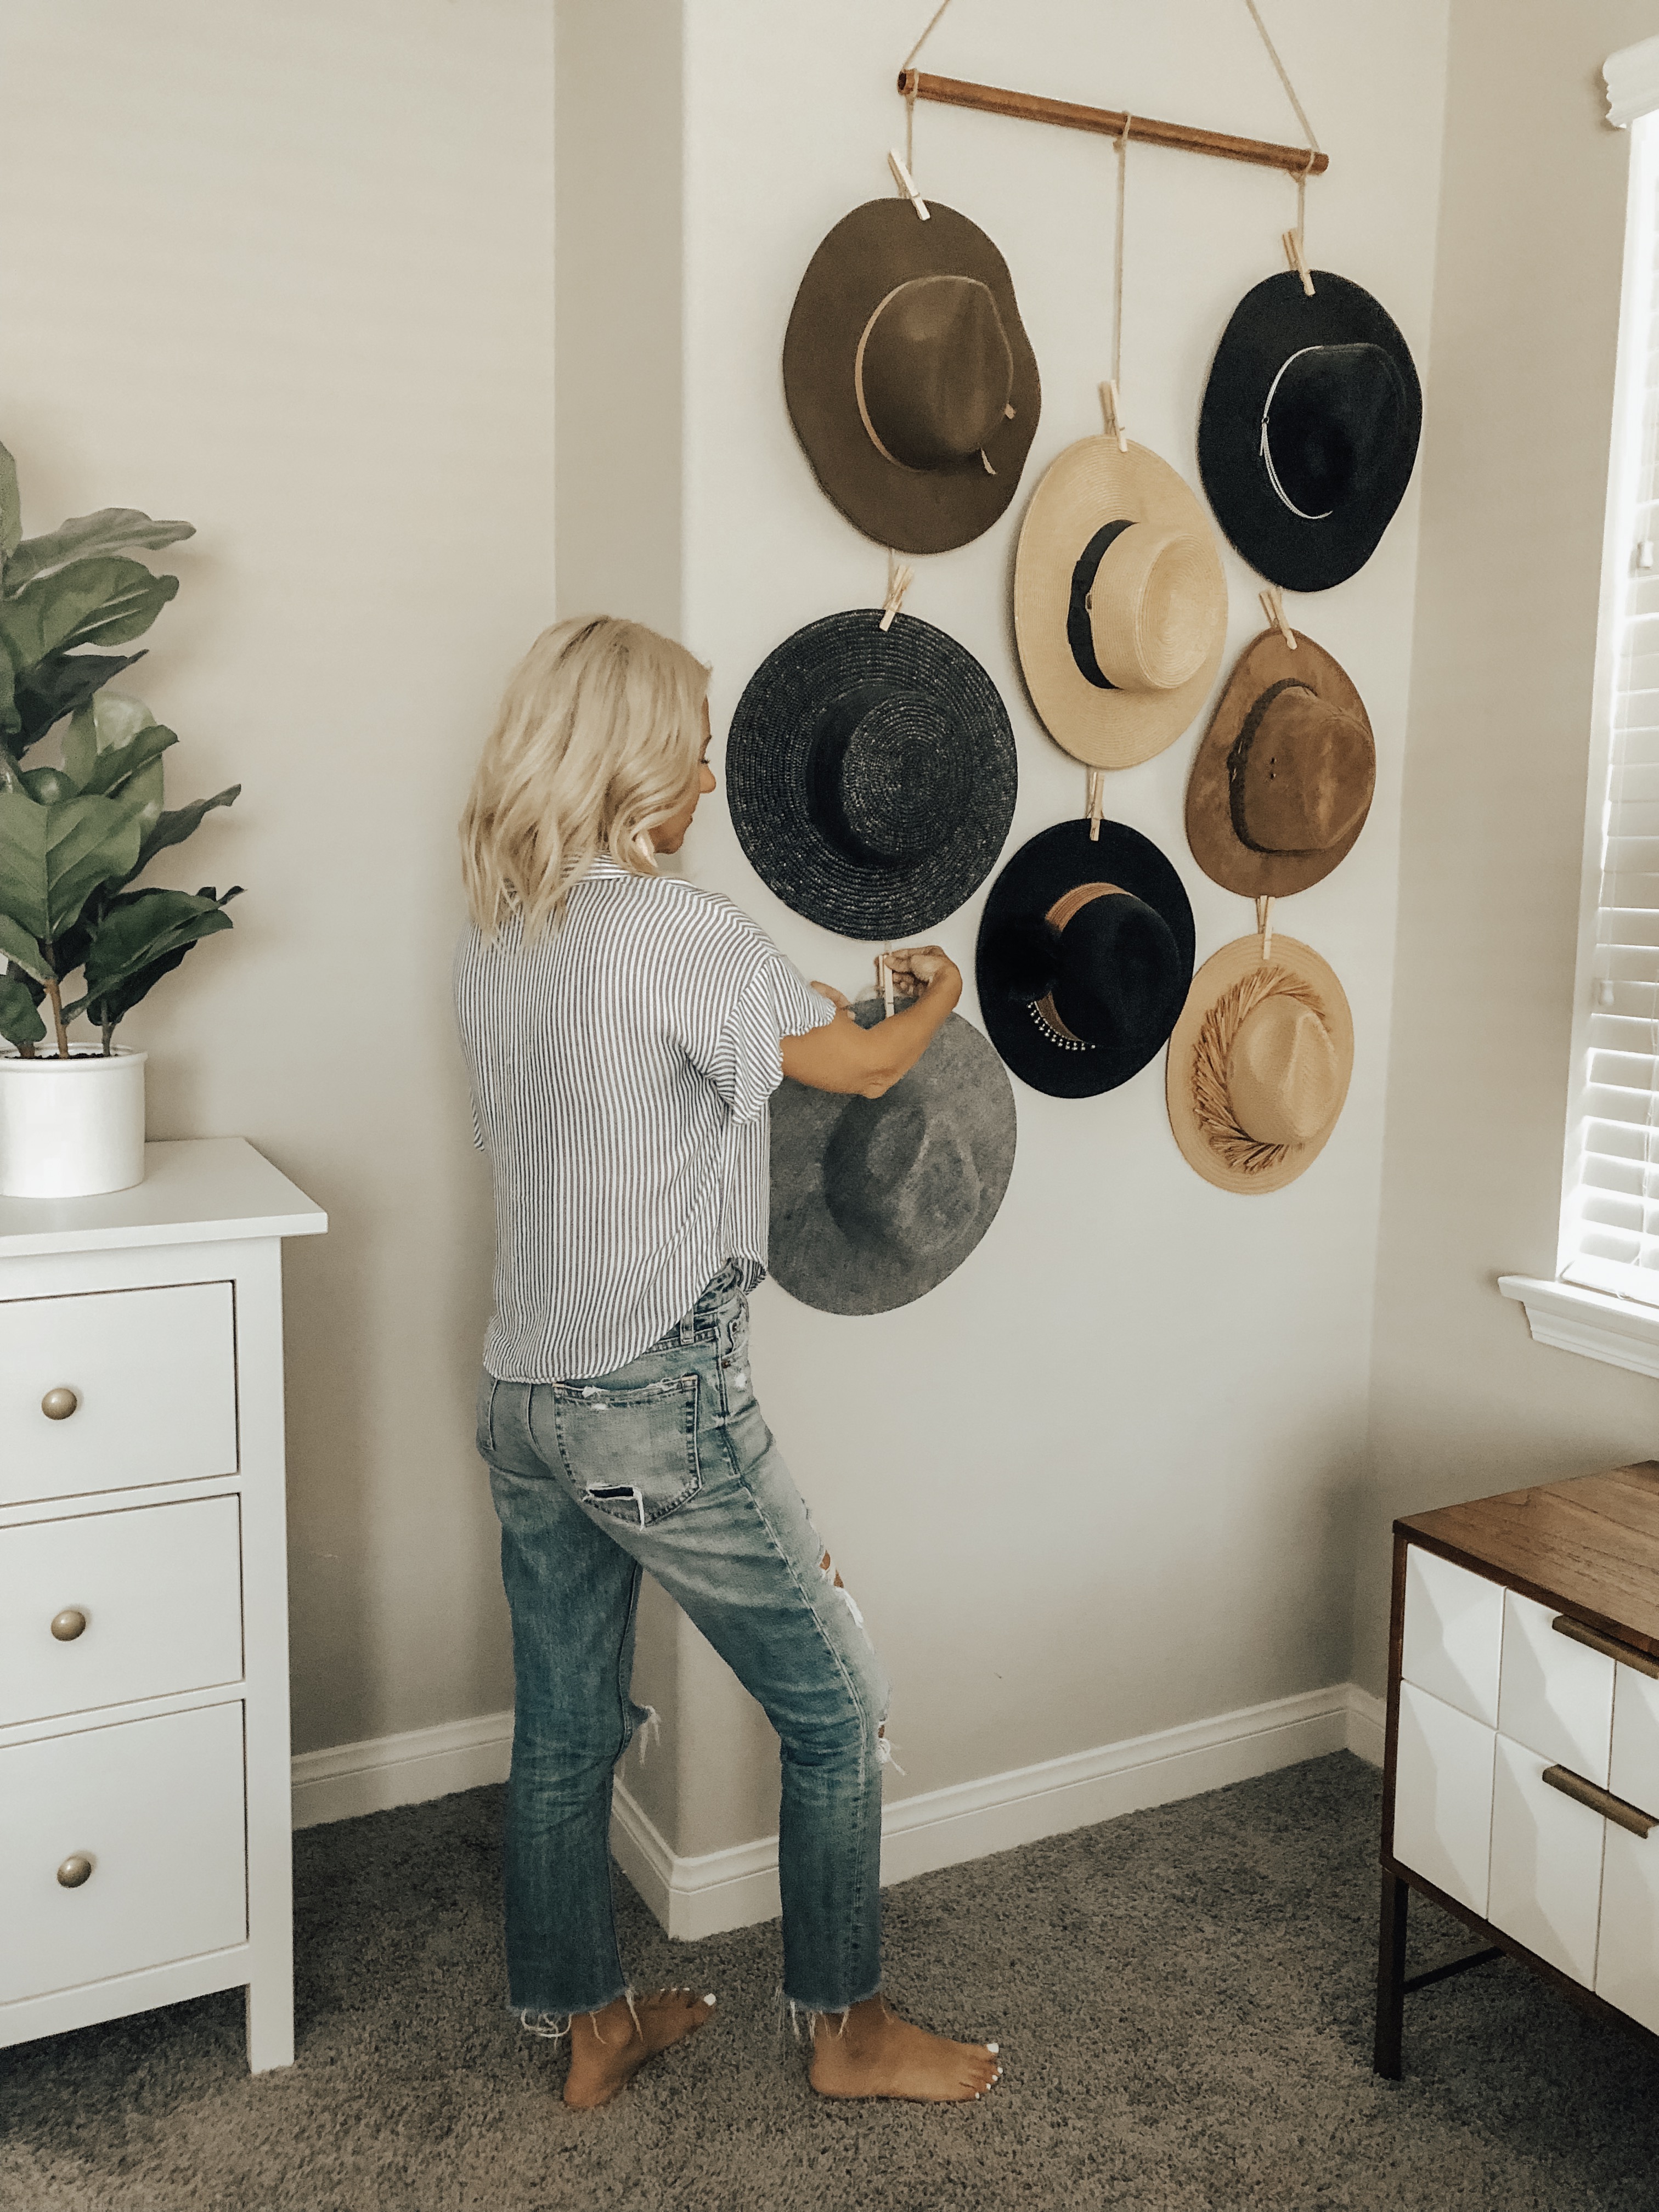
column 876, row 1200
column 1084, row 957
column 871, row 773
column 1308, row 430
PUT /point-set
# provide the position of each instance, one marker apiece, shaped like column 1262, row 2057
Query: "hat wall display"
column 909, row 378
column 1084, row 956
column 1259, row 1064
column 871, row 773
column 1308, row 430
column 1120, row 604
column 876, row 1200
column 1285, row 774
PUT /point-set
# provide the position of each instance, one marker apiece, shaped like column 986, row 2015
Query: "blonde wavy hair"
column 597, row 741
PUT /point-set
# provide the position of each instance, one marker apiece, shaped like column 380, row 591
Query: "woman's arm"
column 843, row 1057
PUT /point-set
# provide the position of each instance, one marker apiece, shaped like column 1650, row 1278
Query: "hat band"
column 858, row 386
column 1239, row 757
column 1266, row 449
column 1043, row 1011
column 1079, row 631
column 1213, row 1107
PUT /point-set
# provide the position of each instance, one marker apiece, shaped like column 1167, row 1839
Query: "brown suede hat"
column 909, row 378
column 1283, row 778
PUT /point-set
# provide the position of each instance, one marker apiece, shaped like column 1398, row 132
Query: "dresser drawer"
column 1627, row 1956
column 1634, row 1775
column 1546, row 1863
column 1454, row 1634
column 157, row 1808
column 158, row 1586
column 147, row 1380
column 1442, row 1796
column 1554, row 1696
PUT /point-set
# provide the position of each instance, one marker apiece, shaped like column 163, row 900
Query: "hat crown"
column 1120, row 973
column 934, row 372
column 888, row 775
column 894, row 1174
column 1284, row 1077
column 1149, row 608
column 1301, row 772
column 1331, row 421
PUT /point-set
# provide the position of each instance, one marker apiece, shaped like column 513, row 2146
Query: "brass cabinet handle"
column 1600, row 1801
column 58, row 1405
column 76, row 1869
column 1608, row 1646
column 68, row 1624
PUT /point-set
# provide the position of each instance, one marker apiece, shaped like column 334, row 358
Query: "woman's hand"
column 917, row 968
column 842, row 1056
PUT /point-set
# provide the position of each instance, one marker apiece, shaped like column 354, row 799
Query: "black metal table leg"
column 1390, row 1977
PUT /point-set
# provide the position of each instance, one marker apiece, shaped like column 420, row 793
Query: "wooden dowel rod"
column 1108, row 122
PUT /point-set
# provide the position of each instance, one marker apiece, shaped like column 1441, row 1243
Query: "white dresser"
column 1521, row 1788
column 145, row 1848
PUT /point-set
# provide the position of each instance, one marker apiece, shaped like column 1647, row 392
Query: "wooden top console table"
column 1521, row 1789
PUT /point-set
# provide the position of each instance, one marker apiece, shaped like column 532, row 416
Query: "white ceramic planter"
column 71, row 1128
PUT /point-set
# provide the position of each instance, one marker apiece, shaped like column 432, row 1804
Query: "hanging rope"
column 907, row 184
column 1111, row 394
column 1294, row 241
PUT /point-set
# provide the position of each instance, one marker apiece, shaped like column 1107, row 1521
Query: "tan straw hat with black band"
column 1283, row 777
column 1120, row 604
column 909, row 378
column 1259, row 1064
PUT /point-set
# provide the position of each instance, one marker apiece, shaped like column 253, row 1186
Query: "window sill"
column 1616, row 1330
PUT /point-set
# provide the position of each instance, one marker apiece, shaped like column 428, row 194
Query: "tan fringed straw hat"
column 1259, row 1063
column 1120, row 604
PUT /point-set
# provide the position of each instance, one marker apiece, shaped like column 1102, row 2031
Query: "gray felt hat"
column 876, row 1200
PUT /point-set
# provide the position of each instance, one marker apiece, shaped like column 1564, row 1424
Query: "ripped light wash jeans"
column 667, row 1467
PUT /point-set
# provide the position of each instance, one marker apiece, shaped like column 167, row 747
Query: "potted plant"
column 74, row 836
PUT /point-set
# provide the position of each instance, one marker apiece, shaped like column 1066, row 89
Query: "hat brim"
column 869, row 253
column 1271, row 322
column 1216, row 846
column 959, row 1080
column 1055, row 861
column 1216, row 977
column 1091, row 484
column 767, row 764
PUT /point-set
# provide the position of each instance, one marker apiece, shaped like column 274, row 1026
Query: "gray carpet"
column 1182, row 1998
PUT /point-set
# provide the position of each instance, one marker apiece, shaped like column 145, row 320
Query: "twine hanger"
column 904, row 171
column 1294, row 241
column 1111, row 392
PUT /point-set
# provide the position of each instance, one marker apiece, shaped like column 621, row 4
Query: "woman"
column 624, row 1031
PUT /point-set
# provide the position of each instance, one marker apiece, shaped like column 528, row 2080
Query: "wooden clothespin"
column 899, row 577
column 907, row 185
column 1298, row 260
column 885, row 977
column 1096, row 802
column 1273, row 606
column 1111, row 400
column 1264, row 926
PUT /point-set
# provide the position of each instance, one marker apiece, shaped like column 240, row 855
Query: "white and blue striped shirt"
column 620, row 1069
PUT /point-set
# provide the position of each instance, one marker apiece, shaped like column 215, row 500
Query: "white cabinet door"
column 159, row 1589
column 157, row 1808
column 1554, row 1696
column 1453, row 1633
column 1442, row 1796
column 1627, row 1959
column 1635, row 1771
column 151, row 1384
column 1546, row 1863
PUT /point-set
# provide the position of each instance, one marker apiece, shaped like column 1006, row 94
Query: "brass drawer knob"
column 58, row 1405
column 68, row 1624
column 76, row 1869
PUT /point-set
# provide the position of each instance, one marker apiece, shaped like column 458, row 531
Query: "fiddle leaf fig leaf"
column 111, row 766
column 95, row 602
column 142, row 937
column 11, row 512
column 110, row 531
column 111, row 718
column 49, row 785
column 60, row 684
column 52, row 858
column 181, row 822
column 21, row 949
column 20, row 1020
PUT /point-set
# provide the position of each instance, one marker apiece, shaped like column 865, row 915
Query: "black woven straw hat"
column 871, row 773
column 1085, row 954
column 876, row 1200
column 1307, row 434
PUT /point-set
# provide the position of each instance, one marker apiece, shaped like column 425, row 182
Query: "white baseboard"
column 734, row 1888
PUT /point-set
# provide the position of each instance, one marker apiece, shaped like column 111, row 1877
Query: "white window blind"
column 1610, row 1211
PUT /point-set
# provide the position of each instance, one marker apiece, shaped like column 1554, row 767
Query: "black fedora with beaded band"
column 1084, row 956
column 910, row 379
column 871, row 773
column 1308, row 430
column 876, row 1200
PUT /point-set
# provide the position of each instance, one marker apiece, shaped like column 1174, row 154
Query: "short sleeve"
column 747, row 1064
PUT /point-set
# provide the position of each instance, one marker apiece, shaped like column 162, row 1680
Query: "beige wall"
column 1515, row 475
column 286, row 271
column 1104, row 1479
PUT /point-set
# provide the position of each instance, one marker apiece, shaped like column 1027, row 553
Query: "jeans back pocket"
column 631, row 1454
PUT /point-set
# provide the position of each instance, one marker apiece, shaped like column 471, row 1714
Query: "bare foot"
column 607, row 2048
column 877, row 2054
